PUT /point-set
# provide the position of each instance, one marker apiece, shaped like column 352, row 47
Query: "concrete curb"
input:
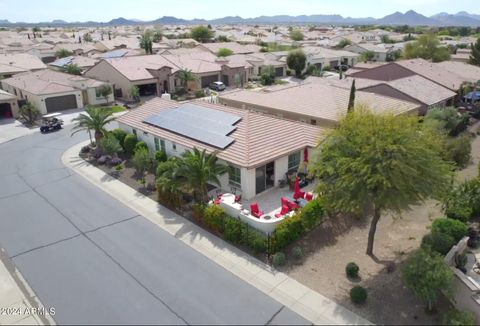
column 292, row 294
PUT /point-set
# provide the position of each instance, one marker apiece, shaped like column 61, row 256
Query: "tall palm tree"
column 186, row 75
column 96, row 119
column 198, row 168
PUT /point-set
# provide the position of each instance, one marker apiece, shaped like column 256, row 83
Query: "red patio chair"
column 299, row 194
column 285, row 210
column 256, row 210
column 309, row 196
column 290, row 204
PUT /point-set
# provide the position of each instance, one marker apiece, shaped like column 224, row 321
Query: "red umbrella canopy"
column 305, row 155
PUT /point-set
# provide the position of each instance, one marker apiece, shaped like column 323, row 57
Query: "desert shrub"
column 447, row 119
column 459, row 318
column 438, row 242
column 141, row 144
column 160, row 156
column 358, row 294
column 352, row 270
column 116, row 161
column 458, row 149
column 454, row 228
column 463, row 201
column 120, row 134
column 312, row 214
column 110, row 145
column 200, row 93
column 119, row 167
column 288, row 231
column 129, row 144
column 198, row 210
column 278, row 259
column 233, row 230
column 85, row 149
column 297, row 253
column 214, row 217
column 142, row 160
column 259, row 243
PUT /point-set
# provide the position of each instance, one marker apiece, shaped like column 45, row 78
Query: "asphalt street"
column 98, row 262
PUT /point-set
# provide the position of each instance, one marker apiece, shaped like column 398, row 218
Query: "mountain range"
column 410, row 17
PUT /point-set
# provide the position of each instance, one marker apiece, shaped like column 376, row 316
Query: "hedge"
column 120, row 134
column 454, row 228
column 129, row 144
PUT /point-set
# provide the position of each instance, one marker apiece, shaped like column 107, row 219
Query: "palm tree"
column 197, row 168
column 96, row 119
column 186, row 75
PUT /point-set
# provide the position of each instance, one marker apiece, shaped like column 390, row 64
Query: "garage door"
column 209, row 79
column 60, row 103
column 5, row 110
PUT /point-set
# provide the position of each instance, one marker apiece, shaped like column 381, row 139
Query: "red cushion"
column 309, row 196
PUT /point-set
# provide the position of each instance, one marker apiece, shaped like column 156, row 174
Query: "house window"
column 234, row 176
column 313, row 122
column 174, row 146
column 162, row 145
column 134, row 131
column 293, row 161
column 157, row 144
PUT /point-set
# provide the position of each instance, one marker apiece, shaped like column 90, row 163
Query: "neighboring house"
column 380, row 52
column 83, row 62
column 52, row 91
column 313, row 103
column 43, row 51
column 85, row 49
column 157, row 74
column 321, row 57
column 257, row 163
column 236, row 48
column 449, row 74
column 462, row 55
column 415, row 89
column 8, row 105
column 11, row 64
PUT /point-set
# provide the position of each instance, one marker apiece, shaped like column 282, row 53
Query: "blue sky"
column 105, row 10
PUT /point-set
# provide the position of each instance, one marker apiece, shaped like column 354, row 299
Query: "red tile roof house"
column 52, row 91
column 157, row 74
column 264, row 147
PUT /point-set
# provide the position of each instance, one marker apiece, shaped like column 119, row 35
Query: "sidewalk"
column 295, row 296
column 18, row 302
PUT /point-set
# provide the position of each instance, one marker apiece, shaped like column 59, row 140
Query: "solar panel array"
column 115, row 54
column 62, row 62
column 205, row 125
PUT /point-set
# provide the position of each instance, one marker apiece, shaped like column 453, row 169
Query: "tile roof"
column 234, row 46
column 317, row 100
column 5, row 96
column 20, row 62
column 258, row 138
column 135, row 67
column 50, row 82
column 81, row 61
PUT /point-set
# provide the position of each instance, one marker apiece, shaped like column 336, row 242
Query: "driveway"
column 97, row 262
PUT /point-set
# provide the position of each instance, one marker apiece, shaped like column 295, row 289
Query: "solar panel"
column 114, row 54
column 62, row 62
column 205, row 125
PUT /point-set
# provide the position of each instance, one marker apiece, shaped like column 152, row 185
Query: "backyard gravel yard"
column 330, row 247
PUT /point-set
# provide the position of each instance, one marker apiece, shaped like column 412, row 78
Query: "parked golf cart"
column 50, row 122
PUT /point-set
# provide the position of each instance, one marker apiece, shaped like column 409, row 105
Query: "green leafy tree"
column 63, row 53
column 198, row 168
column 475, row 56
column 268, row 75
column 185, row 76
column 201, row 34
column 157, row 36
column 447, row 119
column 73, row 69
column 343, row 43
column 296, row 60
column 87, row 37
column 104, row 91
column 459, row 318
column 135, row 92
column 427, row 47
column 351, row 100
column 224, row 52
column 146, row 42
column 296, row 35
column 95, row 119
column 29, row 112
column 110, row 145
column 367, row 56
column 36, row 29
column 379, row 163
column 426, row 274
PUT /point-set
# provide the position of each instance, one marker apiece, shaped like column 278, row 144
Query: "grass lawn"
column 117, row 108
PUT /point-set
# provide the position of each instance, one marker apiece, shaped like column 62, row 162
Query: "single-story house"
column 258, row 148
column 449, row 74
column 8, row 105
column 11, row 64
column 52, row 91
column 236, row 48
column 416, row 89
column 313, row 103
column 380, row 52
column 83, row 62
column 462, row 55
